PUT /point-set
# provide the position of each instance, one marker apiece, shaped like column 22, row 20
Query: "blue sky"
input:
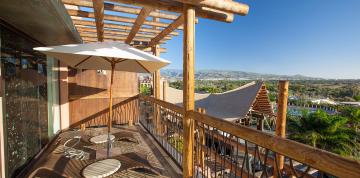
column 319, row 38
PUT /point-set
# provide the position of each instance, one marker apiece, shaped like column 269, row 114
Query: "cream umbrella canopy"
column 105, row 56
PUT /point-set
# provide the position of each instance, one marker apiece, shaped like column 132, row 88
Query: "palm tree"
column 325, row 131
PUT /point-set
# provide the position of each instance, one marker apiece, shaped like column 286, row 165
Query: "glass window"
column 30, row 99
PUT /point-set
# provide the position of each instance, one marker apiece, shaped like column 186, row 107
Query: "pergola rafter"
column 99, row 20
column 145, row 11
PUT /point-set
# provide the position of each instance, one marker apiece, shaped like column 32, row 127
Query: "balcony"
column 154, row 147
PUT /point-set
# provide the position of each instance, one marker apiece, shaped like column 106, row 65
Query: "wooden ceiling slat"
column 115, row 32
column 117, row 37
column 203, row 12
column 138, row 23
column 179, row 21
column 99, row 18
column 80, row 13
column 120, row 8
column 118, row 26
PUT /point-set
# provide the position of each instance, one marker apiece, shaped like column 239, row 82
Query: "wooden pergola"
column 128, row 21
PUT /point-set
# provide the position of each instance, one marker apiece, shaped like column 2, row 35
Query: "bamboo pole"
column 188, row 79
column 280, row 129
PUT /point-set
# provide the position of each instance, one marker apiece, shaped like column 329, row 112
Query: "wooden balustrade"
column 226, row 148
column 240, row 150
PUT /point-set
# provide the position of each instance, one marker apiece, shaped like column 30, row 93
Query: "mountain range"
column 176, row 74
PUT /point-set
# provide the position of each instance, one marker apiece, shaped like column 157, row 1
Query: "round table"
column 101, row 168
column 101, row 138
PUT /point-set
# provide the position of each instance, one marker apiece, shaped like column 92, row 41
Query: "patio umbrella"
column 105, row 56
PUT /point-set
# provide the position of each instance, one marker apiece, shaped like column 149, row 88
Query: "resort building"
column 59, row 121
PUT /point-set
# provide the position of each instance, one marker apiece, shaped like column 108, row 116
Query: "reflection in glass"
column 25, row 101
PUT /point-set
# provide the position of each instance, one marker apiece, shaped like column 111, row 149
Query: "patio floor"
column 138, row 152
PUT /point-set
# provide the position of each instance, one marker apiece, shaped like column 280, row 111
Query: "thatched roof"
column 231, row 105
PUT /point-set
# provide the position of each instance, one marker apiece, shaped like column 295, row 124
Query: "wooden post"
column 260, row 124
column 165, row 85
column 156, row 79
column 280, row 129
column 188, row 83
column 82, row 127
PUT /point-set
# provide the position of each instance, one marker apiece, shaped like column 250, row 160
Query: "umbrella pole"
column 110, row 108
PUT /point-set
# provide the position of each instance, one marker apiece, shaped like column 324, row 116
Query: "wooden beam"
column 81, row 29
column 120, row 8
column 79, row 13
column 188, row 92
column 280, row 128
column 223, row 5
column 179, row 21
column 203, row 12
column 138, row 23
column 116, row 37
column 118, row 26
column 99, row 18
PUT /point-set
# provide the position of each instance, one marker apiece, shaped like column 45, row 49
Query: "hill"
column 176, row 74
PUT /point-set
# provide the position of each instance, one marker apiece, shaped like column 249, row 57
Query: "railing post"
column 280, row 129
column 202, row 141
column 82, row 127
column 156, row 79
column 188, row 83
column 165, row 85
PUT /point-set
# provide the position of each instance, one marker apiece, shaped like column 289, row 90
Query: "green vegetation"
column 335, row 133
column 339, row 90
column 212, row 86
column 177, row 143
column 145, row 90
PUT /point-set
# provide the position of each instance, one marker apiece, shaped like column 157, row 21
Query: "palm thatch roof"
column 231, row 105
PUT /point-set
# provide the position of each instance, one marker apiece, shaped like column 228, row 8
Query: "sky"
column 319, row 38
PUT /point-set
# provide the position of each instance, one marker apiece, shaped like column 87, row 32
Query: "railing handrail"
column 316, row 158
column 165, row 104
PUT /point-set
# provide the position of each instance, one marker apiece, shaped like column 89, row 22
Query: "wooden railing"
column 168, row 129
column 223, row 148
column 125, row 112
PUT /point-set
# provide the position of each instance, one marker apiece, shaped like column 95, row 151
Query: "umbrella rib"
column 121, row 61
column 107, row 59
column 143, row 67
column 82, row 61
